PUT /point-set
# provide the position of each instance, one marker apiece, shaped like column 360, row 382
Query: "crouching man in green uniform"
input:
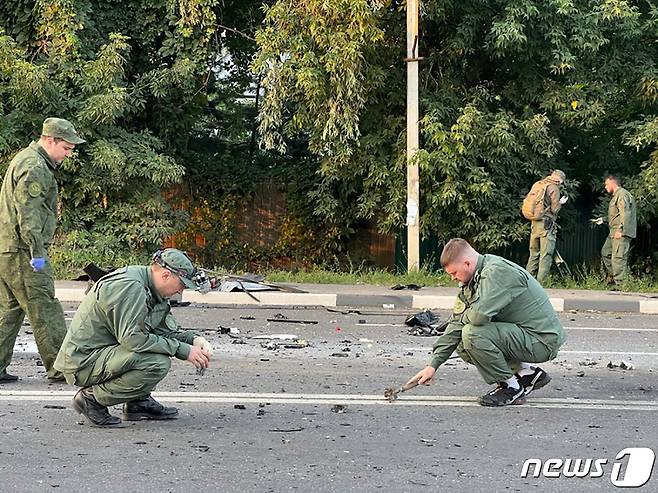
column 122, row 338
column 502, row 322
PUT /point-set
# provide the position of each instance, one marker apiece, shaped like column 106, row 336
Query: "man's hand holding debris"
column 424, row 376
column 199, row 357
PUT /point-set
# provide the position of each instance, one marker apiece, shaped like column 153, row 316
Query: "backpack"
column 533, row 204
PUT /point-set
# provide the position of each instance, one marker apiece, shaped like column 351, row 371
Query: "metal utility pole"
column 413, row 189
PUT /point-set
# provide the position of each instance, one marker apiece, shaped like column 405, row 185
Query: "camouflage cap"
column 62, row 129
column 558, row 175
column 178, row 263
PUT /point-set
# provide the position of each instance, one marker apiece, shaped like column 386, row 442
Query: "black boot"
column 147, row 408
column 96, row 413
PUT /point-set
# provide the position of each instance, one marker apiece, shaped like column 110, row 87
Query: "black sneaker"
column 502, row 395
column 534, row 381
column 147, row 408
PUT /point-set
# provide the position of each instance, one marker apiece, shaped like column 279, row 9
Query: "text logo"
column 631, row 468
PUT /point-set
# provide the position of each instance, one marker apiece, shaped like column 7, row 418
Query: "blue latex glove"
column 38, row 263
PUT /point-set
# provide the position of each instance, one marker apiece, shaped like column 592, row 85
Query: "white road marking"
column 587, row 351
column 619, row 329
column 629, row 353
column 351, row 399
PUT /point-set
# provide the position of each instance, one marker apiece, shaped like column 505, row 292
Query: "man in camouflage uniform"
column 122, row 339
column 543, row 232
column 622, row 223
column 28, row 217
column 502, row 322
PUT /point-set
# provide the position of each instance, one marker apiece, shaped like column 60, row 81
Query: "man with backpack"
column 541, row 207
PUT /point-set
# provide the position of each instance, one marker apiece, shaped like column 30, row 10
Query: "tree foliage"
column 509, row 90
column 118, row 76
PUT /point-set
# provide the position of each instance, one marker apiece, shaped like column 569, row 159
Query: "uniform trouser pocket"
column 118, row 375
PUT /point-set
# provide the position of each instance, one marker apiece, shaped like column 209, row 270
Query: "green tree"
column 131, row 78
column 509, row 90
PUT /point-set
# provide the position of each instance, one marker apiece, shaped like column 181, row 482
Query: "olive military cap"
column 62, row 129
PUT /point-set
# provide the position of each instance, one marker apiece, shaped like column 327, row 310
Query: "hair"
column 453, row 250
column 614, row 178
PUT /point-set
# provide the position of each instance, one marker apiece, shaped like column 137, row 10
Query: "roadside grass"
column 379, row 277
column 584, row 278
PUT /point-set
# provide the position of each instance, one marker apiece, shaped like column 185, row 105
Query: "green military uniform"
column 621, row 218
column 543, row 234
column 28, row 217
column 121, row 338
column 501, row 318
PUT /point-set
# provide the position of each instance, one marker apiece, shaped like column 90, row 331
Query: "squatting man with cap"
column 122, row 338
column 28, row 218
column 502, row 322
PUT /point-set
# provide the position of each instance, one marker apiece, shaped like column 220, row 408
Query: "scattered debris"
column 242, row 407
column 238, row 341
column 53, row 406
column 390, row 306
column 231, row 331
column 339, row 355
column 426, row 324
column 623, row 365
column 292, row 321
column 179, row 303
column 392, row 394
column 247, row 317
column 286, row 430
column 297, row 344
column 339, row 408
column 413, row 287
column 581, row 373
column 200, row 371
column 201, row 448
column 233, row 286
column 278, row 337
column 588, row 362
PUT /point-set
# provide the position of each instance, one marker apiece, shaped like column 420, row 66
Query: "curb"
column 419, row 302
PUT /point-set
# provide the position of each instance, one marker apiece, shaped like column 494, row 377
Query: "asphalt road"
column 314, row 418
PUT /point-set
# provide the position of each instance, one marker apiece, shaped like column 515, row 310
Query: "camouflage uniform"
column 122, row 338
column 28, row 217
column 543, row 234
column 501, row 318
column 622, row 218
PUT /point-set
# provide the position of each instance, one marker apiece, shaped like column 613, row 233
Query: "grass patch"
column 594, row 279
column 377, row 277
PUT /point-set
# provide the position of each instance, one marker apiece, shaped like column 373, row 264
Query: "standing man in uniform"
column 622, row 223
column 543, row 229
column 28, row 218
column 502, row 323
column 123, row 336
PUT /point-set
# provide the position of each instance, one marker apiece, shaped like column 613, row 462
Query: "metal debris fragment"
column 623, row 365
